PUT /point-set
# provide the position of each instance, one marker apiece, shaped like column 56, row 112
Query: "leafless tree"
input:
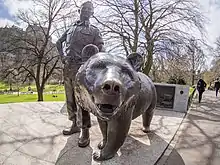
column 39, row 56
column 217, row 47
column 147, row 26
column 185, row 61
column 214, row 70
column 176, row 66
column 196, row 59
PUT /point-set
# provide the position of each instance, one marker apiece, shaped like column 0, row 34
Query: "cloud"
column 15, row 5
column 4, row 22
column 215, row 24
column 212, row 11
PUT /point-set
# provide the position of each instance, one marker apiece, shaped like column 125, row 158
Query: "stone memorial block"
column 172, row 97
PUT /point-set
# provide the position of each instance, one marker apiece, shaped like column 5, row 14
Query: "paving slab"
column 31, row 133
column 2, row 158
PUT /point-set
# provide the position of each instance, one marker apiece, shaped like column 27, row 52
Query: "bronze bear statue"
column 109, row 86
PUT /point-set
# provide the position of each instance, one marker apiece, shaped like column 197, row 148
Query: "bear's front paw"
column 96, row 156
column 101, row 144
column 100, row 157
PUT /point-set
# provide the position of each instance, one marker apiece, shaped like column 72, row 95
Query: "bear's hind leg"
column 146, row 118
column 148, row 114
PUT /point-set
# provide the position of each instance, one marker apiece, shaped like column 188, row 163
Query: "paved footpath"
column 30, row 134
column 198, row 140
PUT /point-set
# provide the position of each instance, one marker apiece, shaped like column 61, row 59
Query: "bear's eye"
column 128, row 72
column 99, row 65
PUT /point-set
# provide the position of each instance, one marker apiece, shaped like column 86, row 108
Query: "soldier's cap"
column 87, row 2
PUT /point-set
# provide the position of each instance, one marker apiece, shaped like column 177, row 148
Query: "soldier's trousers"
column 69, row 82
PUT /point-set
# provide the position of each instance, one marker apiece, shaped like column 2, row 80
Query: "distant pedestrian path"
column 199, row 142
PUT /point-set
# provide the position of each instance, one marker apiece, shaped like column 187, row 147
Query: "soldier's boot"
column 73, row 129
column 84, row 139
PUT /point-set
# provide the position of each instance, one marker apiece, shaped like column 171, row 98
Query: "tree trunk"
column 148, row 64
column 40, row 95
column 39, row 91
column 149, row 61
column 154, row 76
column 193, row 64
column 193, row 77
column 10, row 86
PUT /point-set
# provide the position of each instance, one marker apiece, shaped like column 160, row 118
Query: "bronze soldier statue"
column 75, row 39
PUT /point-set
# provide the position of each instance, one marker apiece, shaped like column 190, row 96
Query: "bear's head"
column 107, row 85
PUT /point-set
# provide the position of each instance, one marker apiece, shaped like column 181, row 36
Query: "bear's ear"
column 136, row 60
column 88, row 51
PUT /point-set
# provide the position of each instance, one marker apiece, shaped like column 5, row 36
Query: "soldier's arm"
column 60, row 42
column 99, row 41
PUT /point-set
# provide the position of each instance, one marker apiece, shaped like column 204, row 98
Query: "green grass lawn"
column 29, row 98
column 33, row 87
column 33, row 97
column 3, row 86
column 191, row 89
column 47, row 88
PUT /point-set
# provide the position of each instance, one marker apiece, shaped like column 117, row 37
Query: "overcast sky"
column 211, row 9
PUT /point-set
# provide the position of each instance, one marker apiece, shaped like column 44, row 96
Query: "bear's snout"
column 112, row 87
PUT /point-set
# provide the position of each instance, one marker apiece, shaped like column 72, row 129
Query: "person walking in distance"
column 201, row 85
column 217, row 86
column 75, row 39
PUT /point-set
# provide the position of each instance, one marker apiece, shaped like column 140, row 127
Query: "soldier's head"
column 86, row 10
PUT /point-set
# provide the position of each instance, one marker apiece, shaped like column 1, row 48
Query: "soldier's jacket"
column 77, row 37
